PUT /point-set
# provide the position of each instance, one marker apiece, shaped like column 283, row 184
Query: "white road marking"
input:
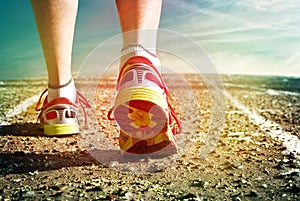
column 291, row 142
column 272, row 92
column 18, row 109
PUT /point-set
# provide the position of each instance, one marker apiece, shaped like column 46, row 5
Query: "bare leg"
column 137, row 15
column 56, row 22
column 141, row 88
column 139, row 20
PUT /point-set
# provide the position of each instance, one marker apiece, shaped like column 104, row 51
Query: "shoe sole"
column 141, row 113
column 61, row 129
column 138, row 146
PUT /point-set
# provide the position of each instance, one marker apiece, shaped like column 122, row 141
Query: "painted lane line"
column 273, row 92
column 289, row 141
column 18, row 109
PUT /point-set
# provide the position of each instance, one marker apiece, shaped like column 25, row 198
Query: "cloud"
column 244, row 36
column 275, row 5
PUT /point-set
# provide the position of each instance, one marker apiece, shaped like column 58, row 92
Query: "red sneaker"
column 142, row 109
column 59, row 117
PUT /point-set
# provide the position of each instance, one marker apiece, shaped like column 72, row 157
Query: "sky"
column 240, row 36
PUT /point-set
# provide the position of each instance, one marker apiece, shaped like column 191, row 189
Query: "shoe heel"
column 142, row 116
column 61, row 129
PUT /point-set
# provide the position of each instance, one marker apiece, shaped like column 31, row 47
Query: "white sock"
column 138, row 50
column 140, row 42
column 68, row 91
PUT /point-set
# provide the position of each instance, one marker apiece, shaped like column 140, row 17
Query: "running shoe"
column 59, row 116
column 142, row 109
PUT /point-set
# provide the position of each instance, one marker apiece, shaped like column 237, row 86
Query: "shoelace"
column 39, row 105
column 165, row 88
column 82, row 101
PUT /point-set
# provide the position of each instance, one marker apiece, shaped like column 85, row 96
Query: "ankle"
column 135, row 49
column 67, row 90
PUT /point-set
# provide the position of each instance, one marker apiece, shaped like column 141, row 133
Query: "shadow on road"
column 17, row 161
column 21, row 162
column 21, row 129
